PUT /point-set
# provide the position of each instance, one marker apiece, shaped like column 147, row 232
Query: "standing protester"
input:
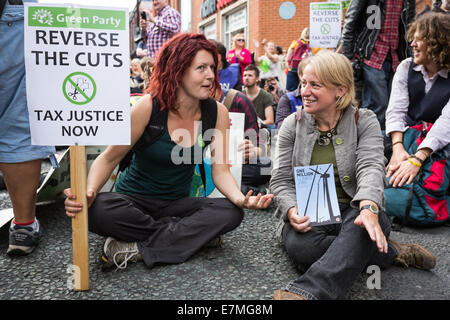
column 378, row 39
column 421, row 92
column 331, row 130
column 151, row 216
column 20, row 162
column 239, row 54
column 282, row 67
column 261, row 99
column 298, row 50
column 269, row 63
column 161, row 23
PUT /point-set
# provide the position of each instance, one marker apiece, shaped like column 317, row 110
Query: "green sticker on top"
column 63, row 17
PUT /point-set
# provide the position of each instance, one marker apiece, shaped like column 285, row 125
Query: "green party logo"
column 70, row 17
column 43, row 16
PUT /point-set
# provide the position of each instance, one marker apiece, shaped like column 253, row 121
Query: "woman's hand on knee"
column 369, row 221
column 300, row 224
column 72, row 207
column 394, row 164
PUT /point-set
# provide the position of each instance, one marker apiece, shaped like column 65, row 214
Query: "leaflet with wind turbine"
column 316, row 194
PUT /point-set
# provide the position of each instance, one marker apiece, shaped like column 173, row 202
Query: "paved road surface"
column 249, row 265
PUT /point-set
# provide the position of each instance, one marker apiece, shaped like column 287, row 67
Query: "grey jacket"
column 359, row 157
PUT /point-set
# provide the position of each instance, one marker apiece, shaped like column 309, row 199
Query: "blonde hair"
column 333, row 70
column 136, row 61
column 233, row 45
column 305, row 35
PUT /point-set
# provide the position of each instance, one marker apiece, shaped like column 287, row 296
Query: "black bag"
column 157, row 124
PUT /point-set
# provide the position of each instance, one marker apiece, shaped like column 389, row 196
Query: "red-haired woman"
column 151, row 216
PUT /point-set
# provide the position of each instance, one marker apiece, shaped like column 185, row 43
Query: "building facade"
column 279, row 21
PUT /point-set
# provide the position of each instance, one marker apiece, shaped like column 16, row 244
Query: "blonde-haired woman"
column 329, row 129
column 239, row 54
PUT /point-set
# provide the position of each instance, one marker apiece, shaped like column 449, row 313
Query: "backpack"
column 425, row 201
column 294, row 101
column 157, row 125
column 302, row 51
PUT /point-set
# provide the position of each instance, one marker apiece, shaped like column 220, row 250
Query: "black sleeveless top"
column 426, row 107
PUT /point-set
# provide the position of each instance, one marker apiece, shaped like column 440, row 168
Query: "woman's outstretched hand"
column 256, row 202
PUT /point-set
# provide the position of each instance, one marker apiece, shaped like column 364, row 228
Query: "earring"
column 338, row 99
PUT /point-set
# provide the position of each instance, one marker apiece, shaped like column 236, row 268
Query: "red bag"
column 302, row 51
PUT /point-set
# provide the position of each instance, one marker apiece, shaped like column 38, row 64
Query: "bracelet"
column 416, row 157
column 423, row 152
column 412, row 162
column 396, row 143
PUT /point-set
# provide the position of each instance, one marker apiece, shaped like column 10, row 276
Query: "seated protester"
column 289, row 102
column 420, row 92
column 255, row 164
column 261, row 99
column 354, row 146
column 151, row 216
column 136, row 76
column 147, row 72
column 229, row 73
column 271, row 86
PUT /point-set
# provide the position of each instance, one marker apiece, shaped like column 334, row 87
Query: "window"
column 234, row 22
column 209, row 31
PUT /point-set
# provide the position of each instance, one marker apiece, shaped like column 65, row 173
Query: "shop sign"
column 223, row 3
column 208, row 7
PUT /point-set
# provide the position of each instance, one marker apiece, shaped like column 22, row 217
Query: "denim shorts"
column 15, row 137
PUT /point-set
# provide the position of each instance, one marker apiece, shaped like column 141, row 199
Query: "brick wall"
column 264, row 21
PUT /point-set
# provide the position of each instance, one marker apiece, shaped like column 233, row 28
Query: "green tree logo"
column 43, row 16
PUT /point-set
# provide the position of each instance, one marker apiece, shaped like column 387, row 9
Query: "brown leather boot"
column 287, row 295
column 413, row 255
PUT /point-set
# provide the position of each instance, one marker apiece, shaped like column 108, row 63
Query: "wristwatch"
column 371, row 207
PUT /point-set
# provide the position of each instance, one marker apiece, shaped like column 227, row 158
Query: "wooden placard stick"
column 80, row 243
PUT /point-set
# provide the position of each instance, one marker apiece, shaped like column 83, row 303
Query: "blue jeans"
column 15, row 136
column 332, row 257
column 377, row 89
column 292, row 80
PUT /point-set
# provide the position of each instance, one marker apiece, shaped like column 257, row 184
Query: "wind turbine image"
column 326, row 194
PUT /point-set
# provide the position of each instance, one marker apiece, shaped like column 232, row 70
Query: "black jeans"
column 166, row 231
column 256, row 174
column 331, row 257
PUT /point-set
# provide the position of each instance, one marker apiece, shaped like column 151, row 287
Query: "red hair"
column 175, row 56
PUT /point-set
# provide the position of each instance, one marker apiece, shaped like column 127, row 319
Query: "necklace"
column 325, row 139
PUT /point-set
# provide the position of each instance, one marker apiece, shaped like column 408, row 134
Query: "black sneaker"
column 23, row 240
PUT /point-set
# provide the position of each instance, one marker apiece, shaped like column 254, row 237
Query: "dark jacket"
column 357, row 37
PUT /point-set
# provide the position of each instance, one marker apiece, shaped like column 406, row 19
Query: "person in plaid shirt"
column 374, row 31
column 161, row 24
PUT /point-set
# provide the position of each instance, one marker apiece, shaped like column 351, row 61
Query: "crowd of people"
column 308, row 95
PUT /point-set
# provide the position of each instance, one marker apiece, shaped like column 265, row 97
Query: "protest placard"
column 325, row 24
column 77, row 78
column 77, row 75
